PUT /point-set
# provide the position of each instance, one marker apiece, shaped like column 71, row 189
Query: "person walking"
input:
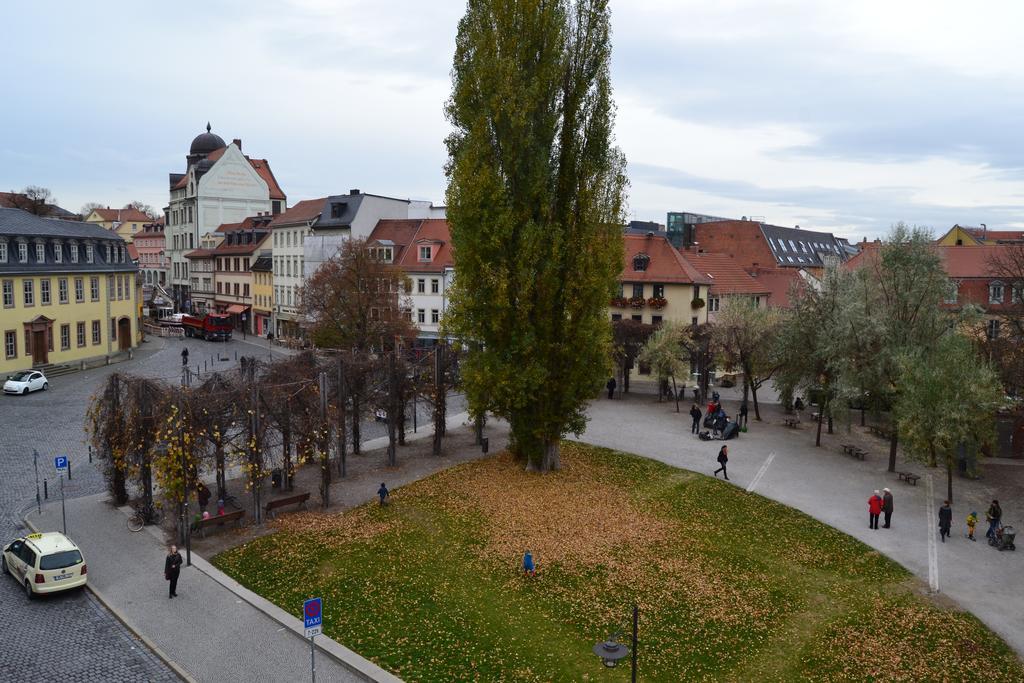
column 874, row 510
column 384, row 494
column 695, row 414
column 203, row 496
column 887, row 506
column 972, row 521
column 184, row 356
column 610, row 386
column 743, row 414
column 994, row 515
column 945, row 520
column 723, row 459
column 172, row 568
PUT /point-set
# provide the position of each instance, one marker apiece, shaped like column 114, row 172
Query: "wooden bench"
column 297, row 499
column 848, row 448
column 909, row 477
column 791, row 421
column 218, row 520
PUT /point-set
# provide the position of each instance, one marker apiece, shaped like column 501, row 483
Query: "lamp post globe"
column 611, row 652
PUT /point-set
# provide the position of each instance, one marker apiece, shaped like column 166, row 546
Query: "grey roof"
column 801, row 248
column 15, row 223
column 262, row 263
column 351, row 204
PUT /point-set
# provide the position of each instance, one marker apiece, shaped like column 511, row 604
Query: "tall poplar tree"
column 535, row 204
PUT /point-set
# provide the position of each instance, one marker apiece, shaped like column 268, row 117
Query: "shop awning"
column 236, row 309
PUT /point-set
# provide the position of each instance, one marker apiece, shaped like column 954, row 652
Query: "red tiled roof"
column 122, row 215
column 302, row 212
column 133, row 253
column 958, row 261
column 408, row 234
column 240, row 249
column 778, row 283
column 727, row 276
column 666, row 265
column 981, row 233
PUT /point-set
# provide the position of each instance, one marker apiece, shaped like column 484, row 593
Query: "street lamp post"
column 610, row 651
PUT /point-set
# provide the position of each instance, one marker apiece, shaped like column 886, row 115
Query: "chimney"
column 355, row 191
column 238, row 143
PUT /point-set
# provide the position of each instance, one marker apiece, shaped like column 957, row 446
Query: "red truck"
column 212, row 326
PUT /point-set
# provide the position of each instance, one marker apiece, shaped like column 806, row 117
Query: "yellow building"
column 125, row 222
column 960, row 236
column 658, row 284
column 68, row 292
column 262, row 293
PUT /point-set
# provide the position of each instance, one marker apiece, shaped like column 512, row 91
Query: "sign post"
column 313, row 622
column 60, row 463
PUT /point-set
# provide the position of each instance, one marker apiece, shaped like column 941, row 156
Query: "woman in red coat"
column 874, row 509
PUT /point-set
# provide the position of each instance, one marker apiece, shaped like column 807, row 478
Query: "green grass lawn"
column 731, row 586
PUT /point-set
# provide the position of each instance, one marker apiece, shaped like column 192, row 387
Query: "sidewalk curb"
column 171, row 664
column 352, row 661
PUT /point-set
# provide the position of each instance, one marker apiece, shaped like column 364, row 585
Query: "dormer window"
column 425, row 253
column 110, row 253
column 74, row 253
column 640, row 262
column 88, row 253
column 58, row 253
column 22, row 252
column 3, row 251
column 41, row 252
column 337, row 208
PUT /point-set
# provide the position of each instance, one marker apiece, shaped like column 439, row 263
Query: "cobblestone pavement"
column 72, row 637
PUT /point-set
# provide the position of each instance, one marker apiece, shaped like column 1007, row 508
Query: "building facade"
column 289, row 232
column 125, row 222
column 421, row 248
column 67, row 292
column 657, row 284
column 220, row 186
column 149, row 245
column 232, row 264
column 262, row 293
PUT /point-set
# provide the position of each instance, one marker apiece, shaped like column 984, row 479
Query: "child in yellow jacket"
column 972, row 521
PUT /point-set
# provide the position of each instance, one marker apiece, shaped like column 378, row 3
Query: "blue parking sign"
column 313, row 616
column 60, row 463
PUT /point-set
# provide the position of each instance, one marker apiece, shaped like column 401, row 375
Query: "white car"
column 44, row 563
column 25, row 381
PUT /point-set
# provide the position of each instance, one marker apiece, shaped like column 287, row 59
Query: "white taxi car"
column 44, row 563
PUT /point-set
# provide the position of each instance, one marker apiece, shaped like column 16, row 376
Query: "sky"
column 838, row 116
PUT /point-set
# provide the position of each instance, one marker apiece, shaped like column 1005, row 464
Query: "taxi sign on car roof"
column 34, row 536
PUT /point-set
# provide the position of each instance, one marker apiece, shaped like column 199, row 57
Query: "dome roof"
column 205, row 143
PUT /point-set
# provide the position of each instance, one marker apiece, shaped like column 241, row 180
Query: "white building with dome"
column 220, row 185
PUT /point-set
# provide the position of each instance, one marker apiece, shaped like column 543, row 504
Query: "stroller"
column 1003, row 538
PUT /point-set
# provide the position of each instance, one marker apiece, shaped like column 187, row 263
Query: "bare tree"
column 89, row 207
column 142, row 207
column 34, row 199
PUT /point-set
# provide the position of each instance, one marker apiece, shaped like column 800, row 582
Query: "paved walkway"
column 834, row 488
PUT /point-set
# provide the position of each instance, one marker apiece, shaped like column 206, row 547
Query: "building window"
column 425, row 253
column 44, row 291
column 245, row 290
column 640, row 262
column 757, row 302
column 714, row 304
column 58, row 254
column 41, row 253
column 435, row 316
column 220, row 287
column 995, row 293
column 88, row 253
column 616, row 317
column 421, row 315
column 28, row 291
column 235, row 288
column 421, row 286
column 65, row 337
column 638, row 290
column 638, row 318
column 80, row 334
column 94, row 288
column 62, row 290
column 95, row 332
column 120, row 287
column 128, row 287
column 22, row 252
column 992, row 329
column 10, row 344
column 336, row 209
column 3, row 251
column 113, row 329
column 79, row 290
column 74, row 253
column 655, row 319
column 8, row 288
column 435, row 286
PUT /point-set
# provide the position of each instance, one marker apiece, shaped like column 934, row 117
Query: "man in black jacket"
column 723, row 459
column 695, row 414
column 945, row 520
column 887, row 507
column 172, row 568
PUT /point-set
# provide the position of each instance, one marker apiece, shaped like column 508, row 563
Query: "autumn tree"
column 948, row 401
column 33, row 199
column 1006, row 350
column 536, row 189
column 743, row 332
column 667, row 352
column 628, row 338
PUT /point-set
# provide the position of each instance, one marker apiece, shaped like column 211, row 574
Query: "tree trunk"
column 675, row 392
column 821, row 415
column 550, row 458
column 949, row 479
column 222, row 484
column 757, row 410
column 892, row 449
column 355, row 421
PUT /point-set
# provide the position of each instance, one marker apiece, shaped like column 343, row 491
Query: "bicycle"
column 144, row 514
